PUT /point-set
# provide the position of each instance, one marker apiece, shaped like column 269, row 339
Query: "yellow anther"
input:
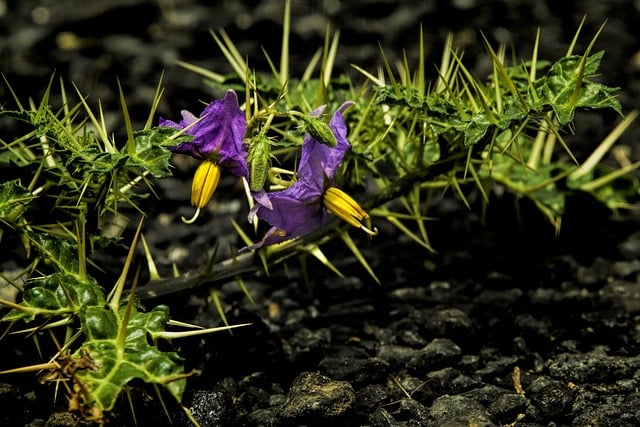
column 347, row 209
column 205, row 182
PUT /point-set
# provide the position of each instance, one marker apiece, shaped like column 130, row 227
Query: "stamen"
column 205, row 182
column 343, row 206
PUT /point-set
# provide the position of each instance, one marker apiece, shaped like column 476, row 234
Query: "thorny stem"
column 247, row 262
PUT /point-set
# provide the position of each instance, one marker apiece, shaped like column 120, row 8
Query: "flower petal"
column 218, row 133
column 319, row 162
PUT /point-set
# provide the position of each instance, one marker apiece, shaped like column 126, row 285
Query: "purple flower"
column 218, row 140
column 302, row 207
column 217, row 134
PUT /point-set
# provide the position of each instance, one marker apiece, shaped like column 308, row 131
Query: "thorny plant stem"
column 248, row 262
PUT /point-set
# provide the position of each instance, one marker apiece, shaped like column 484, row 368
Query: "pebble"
column 508, row 407
column 315, row 399
column 593, row 367
column 550, row 397
column 209, row 407
column 357, row 371
column 450, row 322
column 436, row 354
column 397, row 355
column 454, row 411
column 410, row 410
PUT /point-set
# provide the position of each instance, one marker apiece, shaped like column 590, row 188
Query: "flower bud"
column 320, row 131
column 259, row 161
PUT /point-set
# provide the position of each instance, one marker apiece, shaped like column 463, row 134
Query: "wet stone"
column 306, row 339
column 497, row 368
column 445, row 381
column 408, row 294
column 254, row 398
column 626, row 268
column 622, row 295
column 314, row 399
column 410, row 338
column 267, row 417
column 504, row 299
column 631, row 247
column 62, row 419
column 403, row 384
column 486, row 394
column 622, row 412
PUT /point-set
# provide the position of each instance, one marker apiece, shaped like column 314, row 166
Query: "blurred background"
column 93, row 42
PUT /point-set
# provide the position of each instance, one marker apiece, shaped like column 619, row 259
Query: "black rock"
column 316, row 400
column 450, row 411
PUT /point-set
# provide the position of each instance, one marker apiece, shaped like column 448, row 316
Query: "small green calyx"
column 259, row 161
column 320, row 131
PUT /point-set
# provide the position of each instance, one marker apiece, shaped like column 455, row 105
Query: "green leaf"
column 408, row 96
column 538, row 185
column 13, row 198
column 139, row 358
column 56, row 295
column 151, row 150
column 476, row 129
column 62, row 253
column 556, row 89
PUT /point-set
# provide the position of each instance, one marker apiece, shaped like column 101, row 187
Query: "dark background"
column 518, row 297
column 93, row 42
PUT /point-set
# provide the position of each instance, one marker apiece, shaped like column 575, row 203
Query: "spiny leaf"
column 56, row 295
column 557, row 88
column 151, row 152
column 139, row 358
column 13, row 200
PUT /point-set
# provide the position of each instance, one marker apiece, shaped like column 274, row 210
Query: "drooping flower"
column 217, row 140
column 302, row 207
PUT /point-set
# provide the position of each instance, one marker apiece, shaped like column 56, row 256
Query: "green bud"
column 259, row 161
column 320, row 131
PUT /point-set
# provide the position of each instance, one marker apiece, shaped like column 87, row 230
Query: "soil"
column 507, row 324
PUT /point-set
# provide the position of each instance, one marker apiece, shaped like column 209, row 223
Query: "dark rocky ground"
column 505, row 325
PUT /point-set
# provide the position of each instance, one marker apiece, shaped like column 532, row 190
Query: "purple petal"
column 262, row 199
column 273, row 235
column 187, row 119
column 318, row 161
column 219, row 132
column 291, row 214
